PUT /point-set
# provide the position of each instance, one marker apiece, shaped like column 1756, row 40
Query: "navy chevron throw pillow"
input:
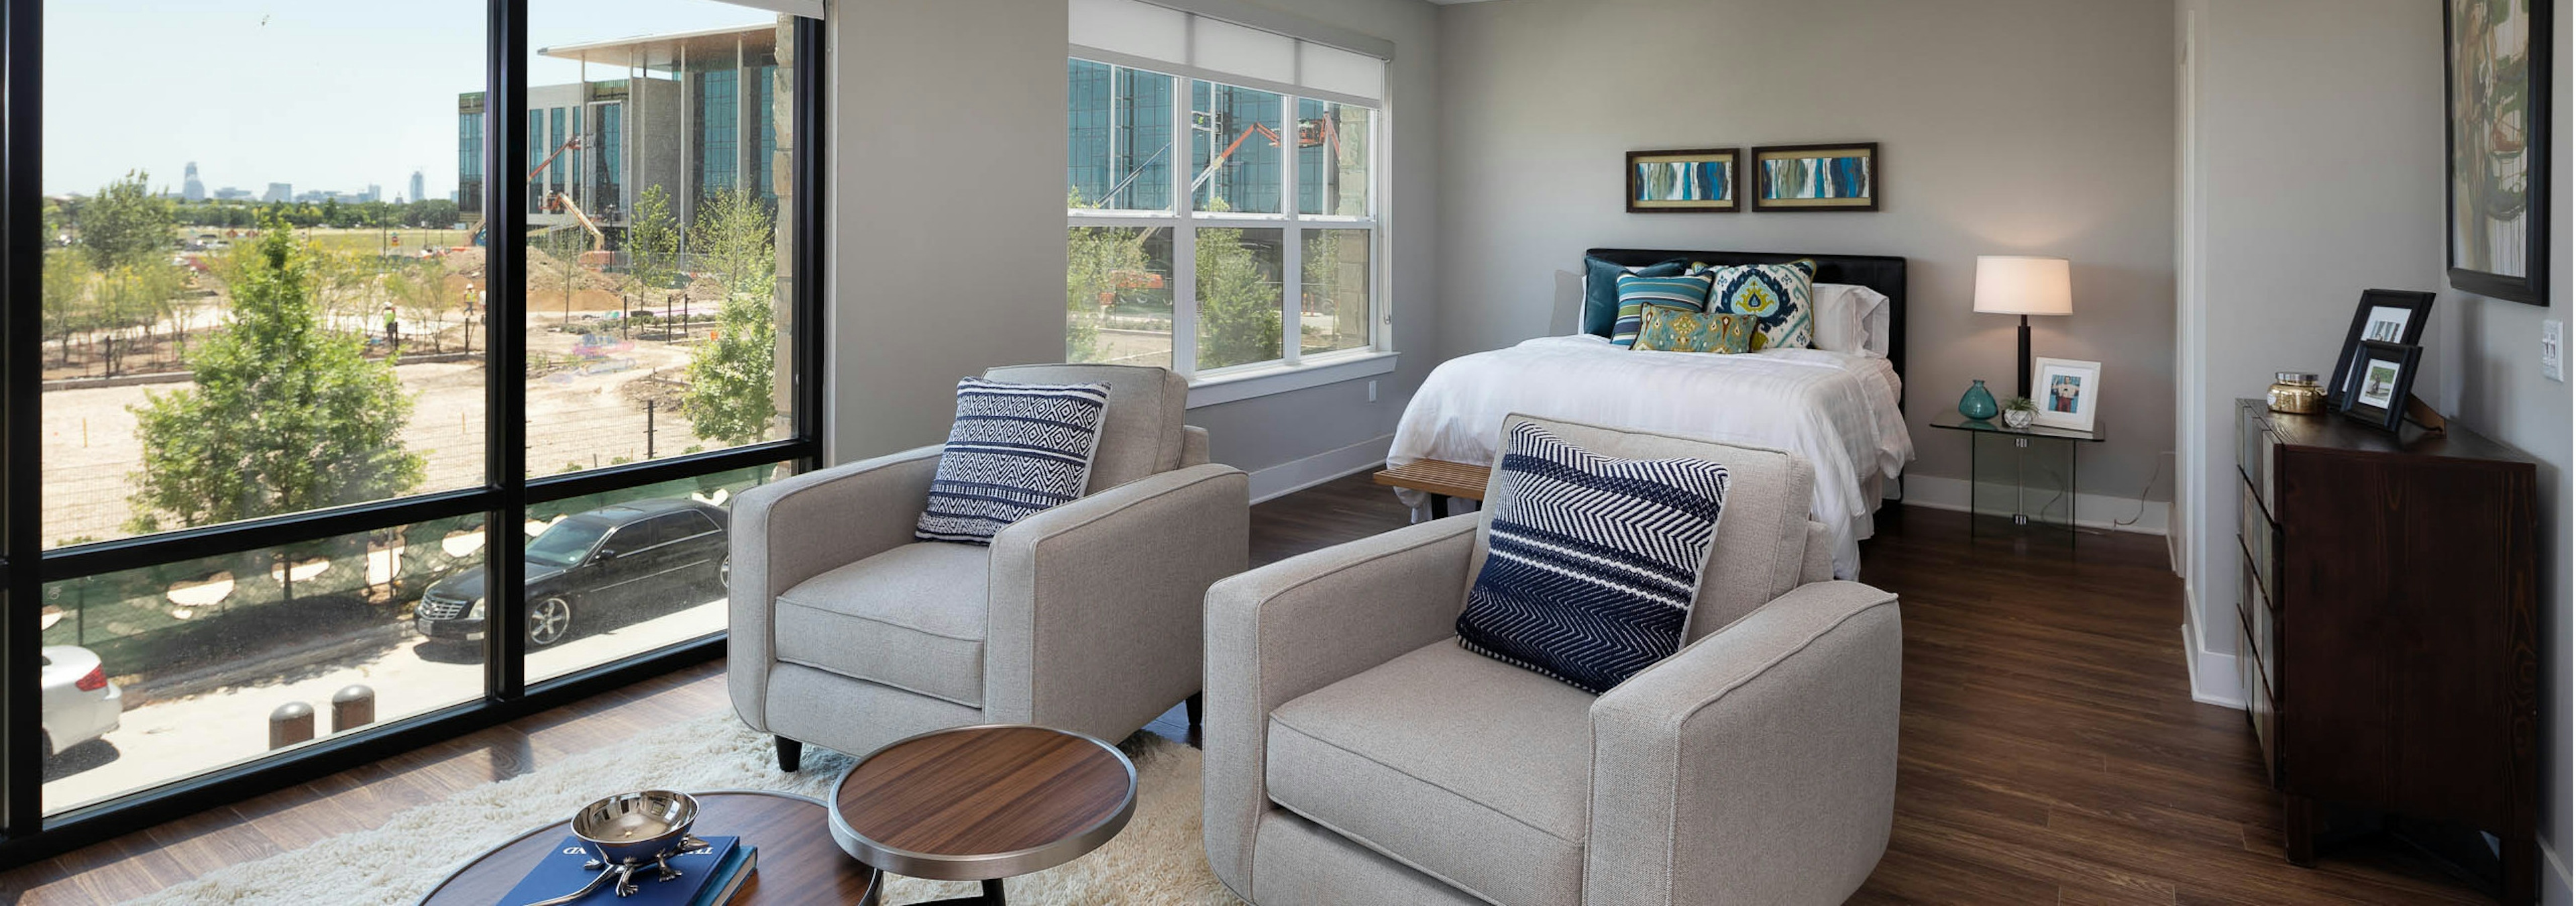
column 1014, row 451
column 1592, row 561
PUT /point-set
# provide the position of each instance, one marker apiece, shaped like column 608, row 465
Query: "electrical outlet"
column 1373, row 385
column 2553, row 349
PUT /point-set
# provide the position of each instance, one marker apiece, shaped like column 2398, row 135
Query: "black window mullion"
column 22, row 804
column 505, row 354
column 805, row 133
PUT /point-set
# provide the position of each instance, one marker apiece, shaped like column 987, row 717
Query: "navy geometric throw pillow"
column 1014, row 451
column 1592, row 561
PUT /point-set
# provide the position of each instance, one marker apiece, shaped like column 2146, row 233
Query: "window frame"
column 27, row 834
column 1293, row 368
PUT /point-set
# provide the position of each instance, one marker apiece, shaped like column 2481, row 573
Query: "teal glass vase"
column 1977, row 403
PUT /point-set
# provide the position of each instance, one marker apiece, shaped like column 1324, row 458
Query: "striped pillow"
column 1591, row 562
column 1778, row 295
column 1015, row 450
column 1688, row 291
column 1681, row 330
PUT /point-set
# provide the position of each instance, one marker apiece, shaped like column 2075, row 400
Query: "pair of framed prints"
column 2374, row 377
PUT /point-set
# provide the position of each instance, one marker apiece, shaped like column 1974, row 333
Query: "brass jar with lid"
column 2296, row 392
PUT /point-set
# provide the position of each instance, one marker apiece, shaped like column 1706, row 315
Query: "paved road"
column 173, row 739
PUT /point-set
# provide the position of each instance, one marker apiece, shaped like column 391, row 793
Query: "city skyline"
column 203, row 69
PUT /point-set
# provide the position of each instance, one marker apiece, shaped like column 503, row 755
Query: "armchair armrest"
column 1301, row 624
column 789, row 531
column 1756, row 766
column 1194, row 446
column 1093, row 616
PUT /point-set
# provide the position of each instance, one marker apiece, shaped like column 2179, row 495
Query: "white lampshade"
column 2023, row 285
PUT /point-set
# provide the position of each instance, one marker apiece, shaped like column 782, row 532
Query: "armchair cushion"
column 1591, row 562
column 1014, row 451
column 911, row 618
column 1469, row 769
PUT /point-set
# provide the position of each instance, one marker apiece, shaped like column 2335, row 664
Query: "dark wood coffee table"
column 982, row 804
column 797, row 866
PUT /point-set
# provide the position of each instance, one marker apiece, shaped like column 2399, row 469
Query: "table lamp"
column 2023, row 285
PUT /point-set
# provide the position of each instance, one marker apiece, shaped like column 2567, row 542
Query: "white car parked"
column 80, row 704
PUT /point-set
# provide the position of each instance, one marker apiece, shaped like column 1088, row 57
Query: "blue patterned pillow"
column 1778, row 295
column 1683, row 291
column 1014, row 451
column 1592, row 561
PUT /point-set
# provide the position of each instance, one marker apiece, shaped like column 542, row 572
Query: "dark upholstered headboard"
column 1885, row 273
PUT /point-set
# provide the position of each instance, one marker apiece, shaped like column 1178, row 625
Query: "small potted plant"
column 2019, row 411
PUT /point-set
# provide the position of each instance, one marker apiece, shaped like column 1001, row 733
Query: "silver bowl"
column 636, row 827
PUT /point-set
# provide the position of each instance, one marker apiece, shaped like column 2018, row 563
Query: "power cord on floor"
column 2142, row 495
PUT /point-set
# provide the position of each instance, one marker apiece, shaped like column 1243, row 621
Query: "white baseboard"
column 2554, row 883
column 2119, row 514
column 1299, row 474
column 2213, row 675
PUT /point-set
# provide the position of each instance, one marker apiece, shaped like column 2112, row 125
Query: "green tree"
column 1238, row 303
column 1097, row 260
column 652, row 246
column 284, row 416
column 127, row 224
column 733, row 376
column 65, row 296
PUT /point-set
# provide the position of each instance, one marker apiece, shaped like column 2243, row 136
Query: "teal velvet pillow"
column 1601, row 290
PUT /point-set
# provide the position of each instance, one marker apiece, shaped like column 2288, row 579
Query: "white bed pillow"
column 1851, row 318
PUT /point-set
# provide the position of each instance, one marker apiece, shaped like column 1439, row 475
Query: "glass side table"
column 2022, row 477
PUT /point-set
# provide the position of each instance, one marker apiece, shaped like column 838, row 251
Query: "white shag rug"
column 1157, row 860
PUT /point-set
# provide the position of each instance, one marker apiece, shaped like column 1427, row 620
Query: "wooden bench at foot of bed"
column 1438, row 478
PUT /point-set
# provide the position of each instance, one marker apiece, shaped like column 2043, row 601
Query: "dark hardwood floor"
column 2051, row 751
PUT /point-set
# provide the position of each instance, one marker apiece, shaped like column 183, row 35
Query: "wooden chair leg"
column 790, row 754
column 1191, row 705
column 1439, row 506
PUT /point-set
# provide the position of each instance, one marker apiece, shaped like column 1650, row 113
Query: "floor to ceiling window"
column 277, row 439
column 1272, row 259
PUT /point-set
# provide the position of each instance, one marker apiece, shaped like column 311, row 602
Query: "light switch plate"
column 2553, row 349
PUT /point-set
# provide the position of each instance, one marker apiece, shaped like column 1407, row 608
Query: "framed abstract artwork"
column 1841, row 177
column 1698, row 181
column 2496, row 90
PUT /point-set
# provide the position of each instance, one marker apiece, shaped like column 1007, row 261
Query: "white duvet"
column 1838, row 410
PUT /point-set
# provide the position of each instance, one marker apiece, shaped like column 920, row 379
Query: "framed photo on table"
column 2068, row 391
column 2383, row 379
column 2386, row 316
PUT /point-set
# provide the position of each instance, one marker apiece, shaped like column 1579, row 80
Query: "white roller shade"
column 1164, row 39
column 811, row 9
column 1337, row 70
column 1224, row 47
column 1140, row 30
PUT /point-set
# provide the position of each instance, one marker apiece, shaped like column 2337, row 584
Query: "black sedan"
column 603, row 567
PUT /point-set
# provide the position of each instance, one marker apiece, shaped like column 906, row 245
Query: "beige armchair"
column 848, row 634
column 1357, row 754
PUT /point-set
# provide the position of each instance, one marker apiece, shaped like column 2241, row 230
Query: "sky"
column 324, row 94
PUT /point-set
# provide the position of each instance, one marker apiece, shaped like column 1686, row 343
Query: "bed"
column 1841, row 411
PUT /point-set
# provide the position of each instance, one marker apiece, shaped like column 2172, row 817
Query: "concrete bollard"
column 354, row 706
column 291, row 723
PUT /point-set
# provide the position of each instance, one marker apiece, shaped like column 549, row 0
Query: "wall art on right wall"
column 2496, row 90
column 1841, row 177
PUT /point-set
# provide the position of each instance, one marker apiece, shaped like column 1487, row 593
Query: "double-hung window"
column 1222, row 195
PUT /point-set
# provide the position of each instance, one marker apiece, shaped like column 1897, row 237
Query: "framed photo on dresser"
column 2384, row 315
column 2383, row 379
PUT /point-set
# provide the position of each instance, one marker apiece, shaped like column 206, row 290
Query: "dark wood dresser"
column 2388, row 644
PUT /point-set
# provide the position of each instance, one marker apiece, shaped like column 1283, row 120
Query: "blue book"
column 729, row 876
column 560, row 872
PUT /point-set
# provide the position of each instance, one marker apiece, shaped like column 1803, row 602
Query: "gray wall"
column 2284, row 252
column 1273, row 430
column 947, row 199
column 2005, row 127
column 2490, row 378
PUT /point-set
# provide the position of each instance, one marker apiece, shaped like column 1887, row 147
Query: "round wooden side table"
column 797, row 866
column 982, row 804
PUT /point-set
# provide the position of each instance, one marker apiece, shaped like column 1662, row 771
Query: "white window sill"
column 1231, row 386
